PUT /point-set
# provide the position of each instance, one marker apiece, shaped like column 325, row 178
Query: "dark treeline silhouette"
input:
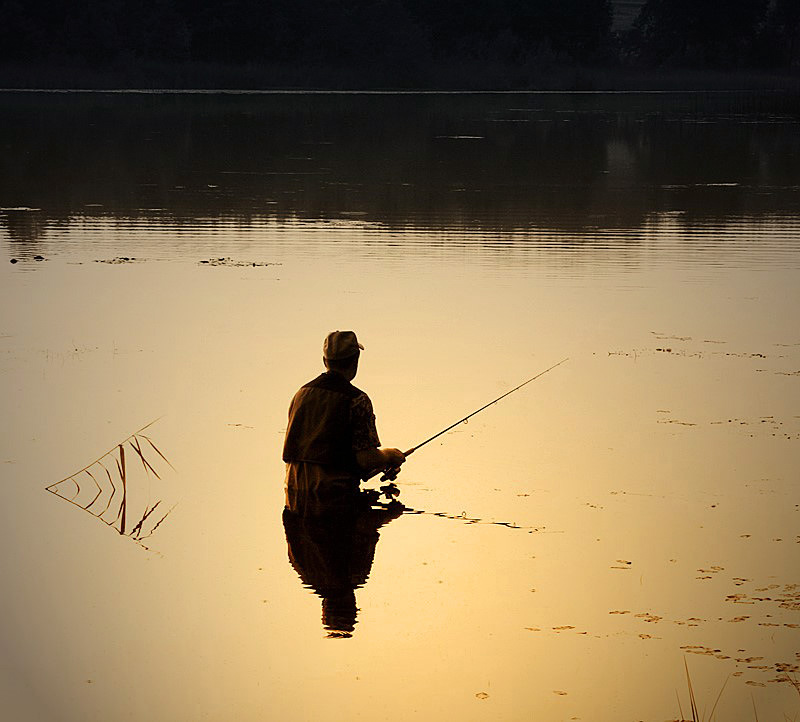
column 705, row 33
column 399, row 42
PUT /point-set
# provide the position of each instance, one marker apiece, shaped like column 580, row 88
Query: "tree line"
column 406, row 35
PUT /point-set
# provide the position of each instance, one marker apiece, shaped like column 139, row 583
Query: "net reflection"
column 331, row 545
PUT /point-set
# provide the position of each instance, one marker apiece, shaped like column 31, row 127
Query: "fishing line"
column 390, row 474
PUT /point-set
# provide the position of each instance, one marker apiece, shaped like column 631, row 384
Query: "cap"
column 340, row 344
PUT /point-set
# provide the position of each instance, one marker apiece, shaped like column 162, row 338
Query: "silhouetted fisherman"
column 331, row 439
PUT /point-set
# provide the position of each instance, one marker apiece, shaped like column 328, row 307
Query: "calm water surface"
column 181, row 257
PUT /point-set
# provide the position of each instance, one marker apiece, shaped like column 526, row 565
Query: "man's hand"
column 393, row 457
column 379, row 459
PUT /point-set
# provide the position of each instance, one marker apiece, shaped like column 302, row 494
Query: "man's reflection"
column 332, row 545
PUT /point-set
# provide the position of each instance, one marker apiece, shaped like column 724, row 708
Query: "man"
column 331, row 440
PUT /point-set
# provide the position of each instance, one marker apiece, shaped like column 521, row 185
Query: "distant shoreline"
column 376, row 91
column 473, row 78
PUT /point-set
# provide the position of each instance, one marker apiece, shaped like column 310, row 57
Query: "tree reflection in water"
column 331, row 545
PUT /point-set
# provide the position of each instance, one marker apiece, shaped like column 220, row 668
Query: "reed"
column 792, row 680
column 696, row 716
column 110, row 474
column 693, row 709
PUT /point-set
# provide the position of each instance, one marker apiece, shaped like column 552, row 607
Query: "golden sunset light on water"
column 617, row 538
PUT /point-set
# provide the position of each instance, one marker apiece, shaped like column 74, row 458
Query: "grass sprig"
column 110, row 473
column 696, row 716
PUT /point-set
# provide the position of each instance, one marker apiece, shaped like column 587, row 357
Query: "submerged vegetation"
column 393, row 43
column 102, row 488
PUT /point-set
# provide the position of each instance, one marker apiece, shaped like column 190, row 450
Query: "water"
column 575, row 543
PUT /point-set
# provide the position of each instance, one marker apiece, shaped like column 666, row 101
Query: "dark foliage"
column 394, row 42
column 700, row 32
column 779, row 44
column 325, row 31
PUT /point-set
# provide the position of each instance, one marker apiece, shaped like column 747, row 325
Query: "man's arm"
column 369, row 459
column 366, row 444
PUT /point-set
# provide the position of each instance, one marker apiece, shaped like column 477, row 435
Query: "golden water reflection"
column 651, row 483
column 666, row 446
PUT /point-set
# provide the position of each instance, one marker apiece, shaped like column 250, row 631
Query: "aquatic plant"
column 792, row 680
column 110, row 475
column 696, row 717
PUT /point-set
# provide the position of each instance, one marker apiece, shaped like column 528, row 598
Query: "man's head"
column 340, row 353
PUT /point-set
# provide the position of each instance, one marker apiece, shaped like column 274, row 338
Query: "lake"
column 569, row 553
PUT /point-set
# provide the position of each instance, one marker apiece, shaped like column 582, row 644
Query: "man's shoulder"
column 335, row 383
column 361, row 400
column 359, row 392
column 315, row 382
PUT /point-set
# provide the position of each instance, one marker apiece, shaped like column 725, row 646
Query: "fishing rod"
column 390, row 474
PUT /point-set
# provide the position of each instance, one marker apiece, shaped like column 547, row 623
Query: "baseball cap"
column 340, row 344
